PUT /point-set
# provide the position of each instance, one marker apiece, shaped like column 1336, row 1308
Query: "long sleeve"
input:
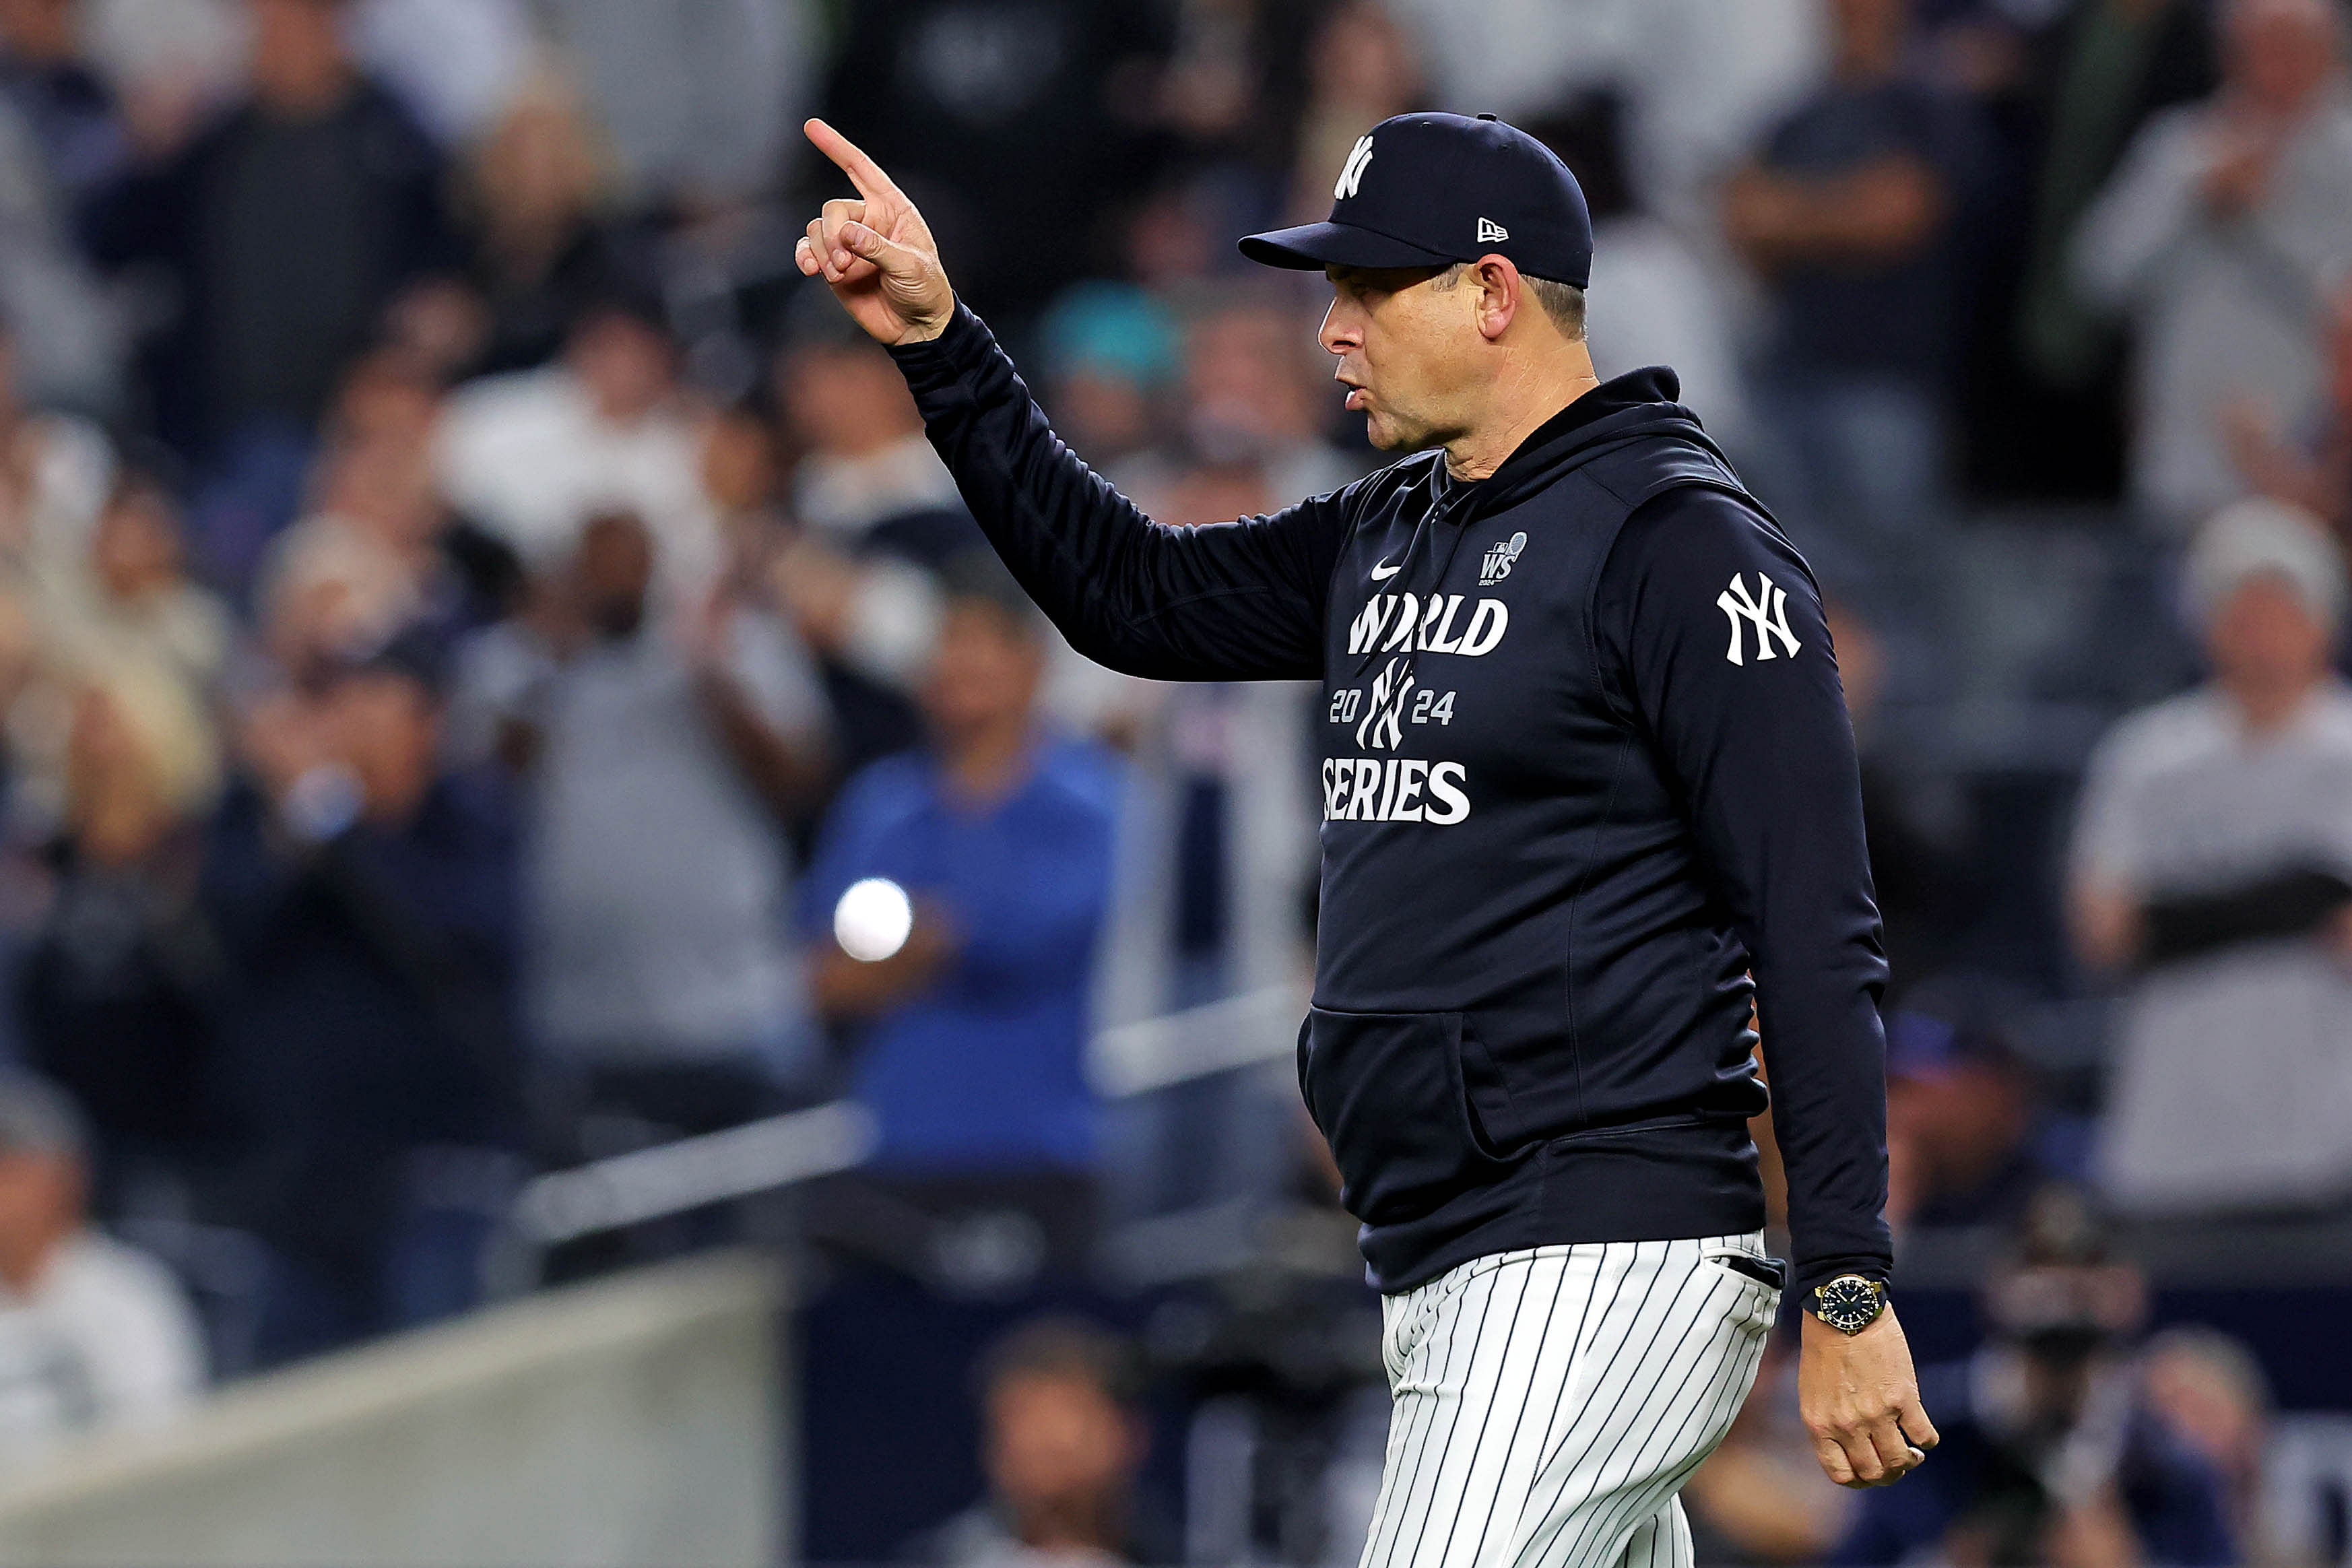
column 1229, row 601
column 1748, row 719
column 2147, row 209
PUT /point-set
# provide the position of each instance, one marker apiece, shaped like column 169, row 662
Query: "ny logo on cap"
column 1489, row 231
column 1351, row 175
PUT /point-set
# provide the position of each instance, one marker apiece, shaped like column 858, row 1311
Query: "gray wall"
column 632, row 1421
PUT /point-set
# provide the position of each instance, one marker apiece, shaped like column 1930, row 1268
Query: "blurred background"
column 582, row 981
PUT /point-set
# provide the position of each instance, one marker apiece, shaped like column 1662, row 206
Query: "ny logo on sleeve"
column 1768, row 611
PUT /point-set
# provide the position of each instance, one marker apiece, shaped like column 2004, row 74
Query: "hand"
column 817, row 587
column 848, row 987
column 2250, row 424
column 2240, row 173
column 1859, row 1401
column 2247, row 421
column 876, row 252
column 703, row 632
column 2096, row 1532
column 1762, row 215
column 2109, row 923
column 283, row 735
column 1889, row 208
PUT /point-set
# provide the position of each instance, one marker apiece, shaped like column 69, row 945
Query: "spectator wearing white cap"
column 94, row 1335
column 2213, row 866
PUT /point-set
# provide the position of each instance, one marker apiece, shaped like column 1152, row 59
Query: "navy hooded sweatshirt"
column 1591, row 810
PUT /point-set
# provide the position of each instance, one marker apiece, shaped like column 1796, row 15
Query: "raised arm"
column 1233, row 600
column 2165, row 187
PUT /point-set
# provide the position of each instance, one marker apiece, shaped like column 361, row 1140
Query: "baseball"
column 872, row 919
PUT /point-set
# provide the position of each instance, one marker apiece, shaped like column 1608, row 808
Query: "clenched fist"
column 876, row 252
column 1860, row 1402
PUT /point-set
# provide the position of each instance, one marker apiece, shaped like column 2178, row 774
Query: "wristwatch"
column 1849, row 1303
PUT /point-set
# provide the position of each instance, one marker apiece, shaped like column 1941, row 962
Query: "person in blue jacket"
column 968, row 1040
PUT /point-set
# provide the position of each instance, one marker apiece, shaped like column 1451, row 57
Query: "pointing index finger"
column 863, row 172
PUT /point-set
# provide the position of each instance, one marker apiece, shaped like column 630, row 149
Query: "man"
column 94, row 1335
column 1062, row 1445
column 972, row 1037
column 1846, row 212
column 2219, row 235
column 665, row 760
column 1551, row 860
column 286, row 226
column 1960, row 1124
column 532, row 455
column 2213, row 860
column 364, row 898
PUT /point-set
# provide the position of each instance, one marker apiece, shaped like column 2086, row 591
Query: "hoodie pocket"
column 1387, row 1090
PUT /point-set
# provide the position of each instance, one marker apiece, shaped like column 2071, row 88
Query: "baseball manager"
column 1590, row 806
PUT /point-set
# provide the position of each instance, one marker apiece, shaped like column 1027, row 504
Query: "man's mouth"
column 1356, row 395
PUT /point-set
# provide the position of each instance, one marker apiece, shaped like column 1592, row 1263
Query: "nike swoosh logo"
column 1382, row 572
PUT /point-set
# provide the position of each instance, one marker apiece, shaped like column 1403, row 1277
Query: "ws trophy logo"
column 1500, row 558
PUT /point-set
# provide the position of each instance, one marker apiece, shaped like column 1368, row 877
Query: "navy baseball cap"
column 1429, row 189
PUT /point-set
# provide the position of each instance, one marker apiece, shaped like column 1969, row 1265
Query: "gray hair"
column 1563, row 303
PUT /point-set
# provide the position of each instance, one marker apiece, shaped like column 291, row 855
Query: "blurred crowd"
column 469, row 613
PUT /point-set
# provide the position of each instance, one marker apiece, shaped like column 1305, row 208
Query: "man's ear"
column 1501, row 295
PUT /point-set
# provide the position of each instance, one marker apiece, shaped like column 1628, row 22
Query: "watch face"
column 1849, row 1303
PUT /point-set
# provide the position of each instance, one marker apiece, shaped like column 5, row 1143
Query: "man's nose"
column 1339, row 334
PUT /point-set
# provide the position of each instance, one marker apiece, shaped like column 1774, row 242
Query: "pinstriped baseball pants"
column 1550, row 1403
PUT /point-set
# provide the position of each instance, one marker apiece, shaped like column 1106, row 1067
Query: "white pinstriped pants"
column 1550, row 1403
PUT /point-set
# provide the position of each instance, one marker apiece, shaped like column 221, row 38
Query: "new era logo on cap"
column 1489, row 231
